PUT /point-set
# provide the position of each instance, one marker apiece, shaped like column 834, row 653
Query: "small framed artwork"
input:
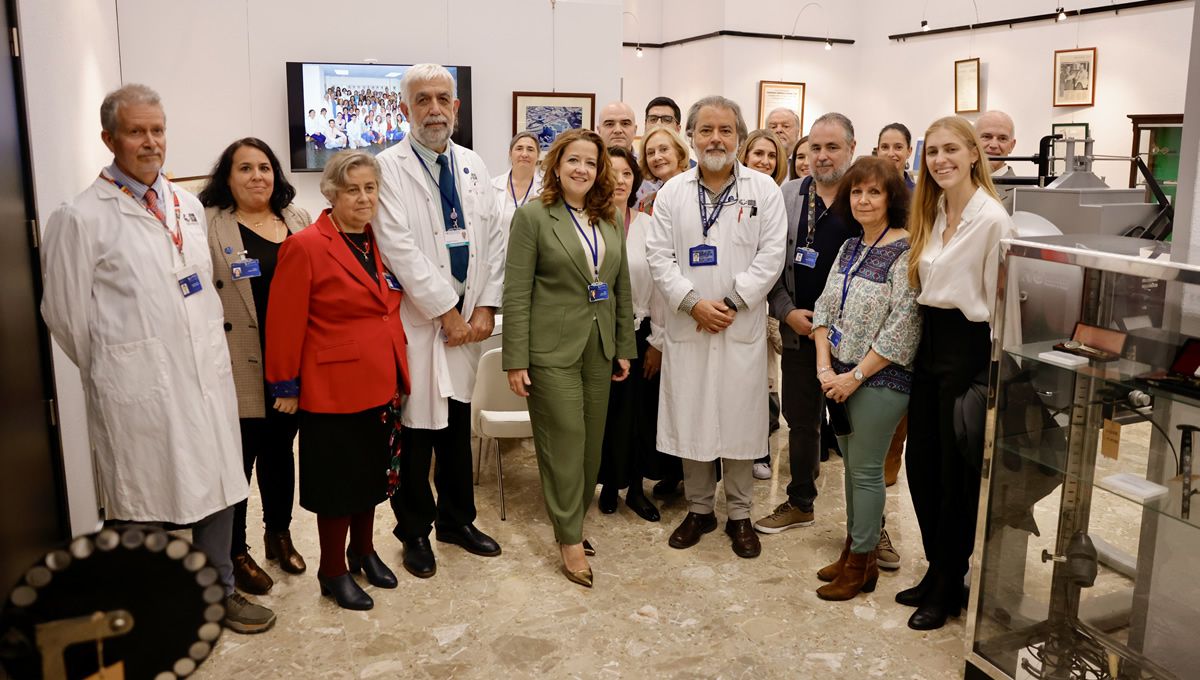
column 774, row 94
column 1075, row 77
column 966, row 86
column 1068, row 131
column 549, row 114
column 193, row 185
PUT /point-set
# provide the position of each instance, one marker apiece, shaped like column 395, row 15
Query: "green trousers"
column 874, row 414
column 567, row 408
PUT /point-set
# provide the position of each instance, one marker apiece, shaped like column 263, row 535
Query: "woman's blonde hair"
column 598, row 201
column 781, row 161
column 675, row 140
column 928, row 193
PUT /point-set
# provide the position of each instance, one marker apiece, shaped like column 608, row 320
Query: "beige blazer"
column 241, row 317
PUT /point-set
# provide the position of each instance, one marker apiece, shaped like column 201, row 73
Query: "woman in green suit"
column 567, row 315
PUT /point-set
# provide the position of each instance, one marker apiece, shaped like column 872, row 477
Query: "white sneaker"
column 762, row 471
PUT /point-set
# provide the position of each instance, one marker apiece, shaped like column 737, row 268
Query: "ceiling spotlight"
column 828, row 44
column 924, row 25
column 638, row 52
column 1062, row 14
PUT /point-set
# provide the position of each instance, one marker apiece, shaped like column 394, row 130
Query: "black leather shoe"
column 689, row 531
column 667, row 488
column 471, row 539
column 641, row 505
column 345, row 592
column 608, row 499
column 588, row 549
column 914, row 596
column 928, row 617
column 418, row 557
column 377, row 572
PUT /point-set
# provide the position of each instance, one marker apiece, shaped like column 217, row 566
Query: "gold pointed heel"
column 583, row 577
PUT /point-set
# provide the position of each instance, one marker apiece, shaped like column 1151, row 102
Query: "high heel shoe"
column 583, row 576
column 378, row 573
column 588, row 549
column 345, row 592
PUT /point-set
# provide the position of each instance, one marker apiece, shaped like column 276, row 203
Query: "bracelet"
column 822, row 369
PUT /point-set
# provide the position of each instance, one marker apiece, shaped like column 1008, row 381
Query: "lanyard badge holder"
column 705, row 255
column 245, row 268
column 807, row 256
column 187, row 276
column 835, row 335
column 597, row 289
column 456, row 231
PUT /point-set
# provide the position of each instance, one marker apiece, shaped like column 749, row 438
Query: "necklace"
column 257, row 226
column 365, row 251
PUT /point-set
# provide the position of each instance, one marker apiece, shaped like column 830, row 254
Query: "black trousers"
column 630, row 453
column 413, row 502
column 943, row 477
column 802, row 407
column 268, row 442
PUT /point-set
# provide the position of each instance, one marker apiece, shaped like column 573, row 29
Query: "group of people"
column 355, row 118
column 639, row 287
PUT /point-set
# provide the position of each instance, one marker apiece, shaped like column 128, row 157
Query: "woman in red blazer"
column 336, row 352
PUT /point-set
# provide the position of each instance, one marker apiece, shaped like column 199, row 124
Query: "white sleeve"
column 493, row 287
column 68, row 267
column 753, row 284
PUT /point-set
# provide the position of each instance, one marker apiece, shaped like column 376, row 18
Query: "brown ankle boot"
column 859, row 575
column 831, row 571
column 279, row 547
column 249, row 577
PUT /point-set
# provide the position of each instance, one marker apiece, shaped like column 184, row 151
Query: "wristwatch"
column 858, row 374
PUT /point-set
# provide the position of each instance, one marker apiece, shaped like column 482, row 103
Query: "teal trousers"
column 874, row 414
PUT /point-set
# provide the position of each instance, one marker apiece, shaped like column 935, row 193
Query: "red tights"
column 333, row 530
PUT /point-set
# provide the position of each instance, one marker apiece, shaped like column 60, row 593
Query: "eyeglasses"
column 665, row 120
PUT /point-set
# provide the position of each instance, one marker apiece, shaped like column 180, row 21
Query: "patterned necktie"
column 151, row 199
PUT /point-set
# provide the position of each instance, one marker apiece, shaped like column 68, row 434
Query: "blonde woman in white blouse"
column 956, row 225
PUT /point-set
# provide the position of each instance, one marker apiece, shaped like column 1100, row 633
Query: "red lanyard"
column 177, row 234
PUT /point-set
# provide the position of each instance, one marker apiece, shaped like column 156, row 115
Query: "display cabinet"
column 1157, row 139
column 1087, row 555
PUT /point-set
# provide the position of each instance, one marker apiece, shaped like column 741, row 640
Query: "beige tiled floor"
column 655, row 612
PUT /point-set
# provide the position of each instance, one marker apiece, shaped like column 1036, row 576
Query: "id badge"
column 806, row 257
column 392, row 282
column 245, row 269
column 189, row 281
column 702, row 256
column 835, row 336
column 456, row 238
column 597, row 292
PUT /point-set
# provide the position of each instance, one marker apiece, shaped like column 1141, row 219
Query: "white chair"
column 496, row 413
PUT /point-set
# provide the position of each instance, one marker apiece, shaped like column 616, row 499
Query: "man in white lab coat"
column 715, row 248
column 128, row 296
column 439, row 232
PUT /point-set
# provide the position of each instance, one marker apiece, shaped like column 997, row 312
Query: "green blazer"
column 547, row 316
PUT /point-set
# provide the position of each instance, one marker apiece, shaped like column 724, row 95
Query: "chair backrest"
column 491, row 388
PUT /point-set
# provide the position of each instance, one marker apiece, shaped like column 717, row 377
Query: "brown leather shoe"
column 745, row 541
column 859, row 575
column 830, row 572
column 690, row 530
column 249, row 577
column 279, row 547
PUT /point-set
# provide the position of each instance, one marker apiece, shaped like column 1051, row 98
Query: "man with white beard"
column 715, row 248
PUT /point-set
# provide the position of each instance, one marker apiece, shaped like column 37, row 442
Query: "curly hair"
column 598, row 201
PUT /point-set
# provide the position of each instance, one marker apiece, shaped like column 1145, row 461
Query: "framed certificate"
column 966, row 86
column 1075, row 77
column 774, row 94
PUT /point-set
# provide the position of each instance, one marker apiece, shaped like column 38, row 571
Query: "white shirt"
column 647, row 301
column 962, row 273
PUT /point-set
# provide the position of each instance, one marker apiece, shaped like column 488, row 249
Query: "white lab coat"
column 412, row 240
column 504, row 199
column 712, row 402
column 162, row 411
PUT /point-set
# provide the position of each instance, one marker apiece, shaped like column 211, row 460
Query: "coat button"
column 220, row 284
column 385, row 317
column 228, row 326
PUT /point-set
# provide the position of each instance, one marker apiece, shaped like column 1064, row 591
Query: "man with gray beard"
column 815, row 234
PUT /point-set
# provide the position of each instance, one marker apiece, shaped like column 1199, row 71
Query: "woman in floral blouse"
column 866, row 329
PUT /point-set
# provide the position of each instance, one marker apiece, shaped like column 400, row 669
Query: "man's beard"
column 715, row 161
column 433, row 138
column 834, row 175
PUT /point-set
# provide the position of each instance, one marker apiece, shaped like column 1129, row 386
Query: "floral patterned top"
column 881, row 311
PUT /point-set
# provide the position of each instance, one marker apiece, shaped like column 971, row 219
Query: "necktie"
column 452, row 214
column 151, row 199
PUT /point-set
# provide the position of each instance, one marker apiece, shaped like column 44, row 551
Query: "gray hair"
column 719, row 102
column 422, row 72
column 523, row 134
column 337, row 170
column 787, row 111
column 133, row 93
column 839, row 119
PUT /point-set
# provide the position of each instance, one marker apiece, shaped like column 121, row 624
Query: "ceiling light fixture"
column 1062, row 14
column 638, row 51
column 828, row 44
column 924, row 25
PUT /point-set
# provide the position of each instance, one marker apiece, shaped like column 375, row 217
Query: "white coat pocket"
column 131, row 372
column 748, row 326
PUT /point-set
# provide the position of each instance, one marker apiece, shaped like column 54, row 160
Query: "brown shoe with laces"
column 249, row 577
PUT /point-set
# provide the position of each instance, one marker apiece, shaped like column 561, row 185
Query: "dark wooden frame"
column 590, row 96
column 978, row 85
column 1054, row 78
column 762, row 88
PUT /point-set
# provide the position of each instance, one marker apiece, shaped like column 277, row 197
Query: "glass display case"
column 1087, row 554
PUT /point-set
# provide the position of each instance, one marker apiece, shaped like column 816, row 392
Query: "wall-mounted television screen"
column 332, row 107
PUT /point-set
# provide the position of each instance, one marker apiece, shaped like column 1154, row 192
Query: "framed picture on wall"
column 1068, row 131
column 549, row 114
column 966, row 86
column 773, row 94
column 1075, row 77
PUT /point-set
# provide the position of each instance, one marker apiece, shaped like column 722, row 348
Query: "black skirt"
column 344, row 461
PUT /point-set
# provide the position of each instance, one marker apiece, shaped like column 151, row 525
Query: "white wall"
column 226, row 80
column 69, row 57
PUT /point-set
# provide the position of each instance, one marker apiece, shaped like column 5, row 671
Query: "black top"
column 363, row 251
column 831, row 232
column 267, row 254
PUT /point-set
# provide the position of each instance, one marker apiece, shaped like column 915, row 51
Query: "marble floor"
column 655, row 611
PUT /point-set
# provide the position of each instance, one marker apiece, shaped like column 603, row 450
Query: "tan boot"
column 860, row 575
column 831, row 571
column 891, row 463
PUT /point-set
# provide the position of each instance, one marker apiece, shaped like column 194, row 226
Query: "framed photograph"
column 1075, row 77
column 548, row 114
column 966, row 86
column 193, row 185
column 773, row 94
column 1068, row 131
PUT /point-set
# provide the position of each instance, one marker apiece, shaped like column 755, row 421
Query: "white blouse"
column 962, row 273
column 647, row 300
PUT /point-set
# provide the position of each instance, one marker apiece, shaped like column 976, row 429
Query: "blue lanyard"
column 705, row 222
column 450, row 198
column 593, row 244
column 849, row 275
column 513, row 191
